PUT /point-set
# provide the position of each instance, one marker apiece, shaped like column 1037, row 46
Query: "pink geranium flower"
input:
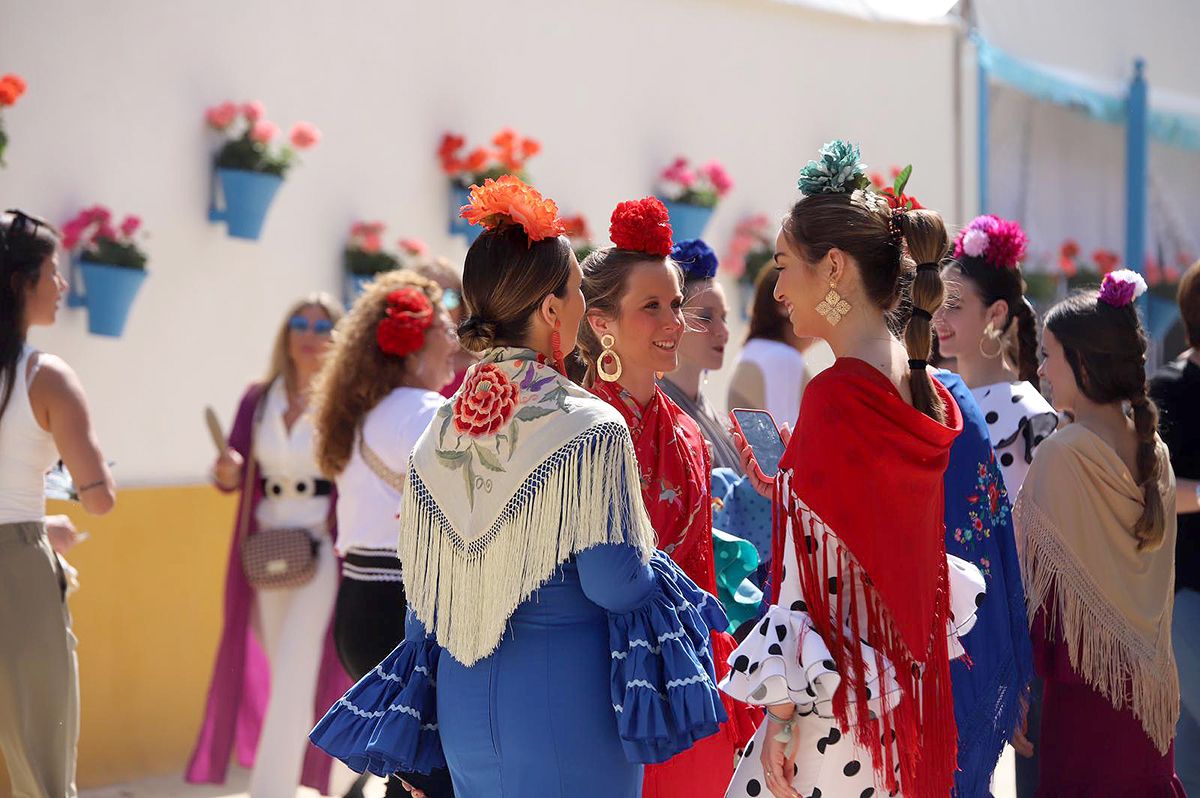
column 130, row 225
column 253, row 111
column 264, row 132
column 717, row 175
column 304, row 135
column 221, row 116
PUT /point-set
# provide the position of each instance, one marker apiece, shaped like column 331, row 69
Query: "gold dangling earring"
column 833, row 307
column 990, row 334
column 607, row 341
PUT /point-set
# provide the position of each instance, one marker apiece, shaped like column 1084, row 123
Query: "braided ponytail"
column 1027, row 342
column 1150, row 526
column 1105, row 347
column 925, row 236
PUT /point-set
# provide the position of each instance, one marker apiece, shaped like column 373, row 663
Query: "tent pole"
column 982, row 100
column 1136, row 158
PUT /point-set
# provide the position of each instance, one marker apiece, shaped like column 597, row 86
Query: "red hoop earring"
column 556, row 346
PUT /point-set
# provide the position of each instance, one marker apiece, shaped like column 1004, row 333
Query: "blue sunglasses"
column 301, row 324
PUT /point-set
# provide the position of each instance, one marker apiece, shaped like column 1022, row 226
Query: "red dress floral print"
column 675, row 468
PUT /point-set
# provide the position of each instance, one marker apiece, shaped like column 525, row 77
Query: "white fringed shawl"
column 519, row 471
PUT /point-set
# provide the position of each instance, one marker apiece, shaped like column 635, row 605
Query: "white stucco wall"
column 613, row 89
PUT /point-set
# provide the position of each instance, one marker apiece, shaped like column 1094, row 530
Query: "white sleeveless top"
column 27, row 452
column 782, row 370
column 287, row 457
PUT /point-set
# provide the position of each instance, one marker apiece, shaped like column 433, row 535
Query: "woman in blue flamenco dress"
column 550, row 649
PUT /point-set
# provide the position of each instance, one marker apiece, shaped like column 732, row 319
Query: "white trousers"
column 293, row 624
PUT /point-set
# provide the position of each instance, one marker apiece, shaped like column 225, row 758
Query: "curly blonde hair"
column 357, row 374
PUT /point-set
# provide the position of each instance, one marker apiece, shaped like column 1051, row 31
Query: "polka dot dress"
column 1018, row 419
column 784, row 660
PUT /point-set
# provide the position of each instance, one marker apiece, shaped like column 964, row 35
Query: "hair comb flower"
column 838, row 170
column 1121, row 287
column 696, row 258
column 507, row 200
column 402, row 329
column 998, row 242
column 642, row 226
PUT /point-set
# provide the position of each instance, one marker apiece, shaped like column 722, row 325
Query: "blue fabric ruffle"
column 387, row 722
column 663, row 679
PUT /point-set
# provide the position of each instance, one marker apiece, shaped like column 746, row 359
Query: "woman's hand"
column 61, row 533
column 413, row 791
column 227, row 471
column 779, row 761
column 761, row 483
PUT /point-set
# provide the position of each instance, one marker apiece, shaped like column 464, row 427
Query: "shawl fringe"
column 922, row 717
column 585, row 494
column 1110, row 656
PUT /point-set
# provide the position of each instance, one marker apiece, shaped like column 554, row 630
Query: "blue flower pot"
column 355, row 284
column 687, row 221
column 109, row 293
column 247, row 198
column 459, row 226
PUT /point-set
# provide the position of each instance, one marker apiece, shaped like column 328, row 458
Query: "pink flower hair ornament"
column 1121, row 287
column 998, row 242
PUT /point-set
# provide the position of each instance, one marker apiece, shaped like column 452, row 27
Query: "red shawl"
column 676, row 472
column 871, row 468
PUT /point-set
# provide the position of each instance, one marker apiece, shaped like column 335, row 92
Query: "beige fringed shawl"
column 520, row 470
column 1074, row 519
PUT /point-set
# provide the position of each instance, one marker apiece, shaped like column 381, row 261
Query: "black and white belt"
column 371, row 565
column 278, row 488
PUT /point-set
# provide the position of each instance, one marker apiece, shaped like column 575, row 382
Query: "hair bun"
column 476, row 333
column 642, row 226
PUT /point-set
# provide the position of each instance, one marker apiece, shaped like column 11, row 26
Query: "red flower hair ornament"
column 507, row 200
column 402, row 330
column 642, row 226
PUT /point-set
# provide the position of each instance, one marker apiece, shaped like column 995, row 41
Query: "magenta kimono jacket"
column 237, row 695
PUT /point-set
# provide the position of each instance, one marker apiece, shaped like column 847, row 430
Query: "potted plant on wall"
column 750, row 250
column 250, row 166
column 111, row 263
column 11, row 89
column 507, row 156
column 691, row 195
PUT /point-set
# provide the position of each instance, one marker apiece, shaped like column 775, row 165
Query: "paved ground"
column 174, row 787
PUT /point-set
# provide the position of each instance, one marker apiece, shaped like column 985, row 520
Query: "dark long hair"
column 993, row 283
column 1106, row 349
column 887, row 245
column 767, row 317
column 25, row 243
column 505, row 279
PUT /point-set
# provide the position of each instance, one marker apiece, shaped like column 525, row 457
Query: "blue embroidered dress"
column 988, row 690
column 549, row 649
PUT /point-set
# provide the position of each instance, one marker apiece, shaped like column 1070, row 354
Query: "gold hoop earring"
column 833, row 307
column 607, row 341
column 990, row 334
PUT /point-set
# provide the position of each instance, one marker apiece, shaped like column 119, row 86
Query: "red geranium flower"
column 642, row 226
column 486, row 402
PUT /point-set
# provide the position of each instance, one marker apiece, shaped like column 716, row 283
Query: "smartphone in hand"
column 758, row 429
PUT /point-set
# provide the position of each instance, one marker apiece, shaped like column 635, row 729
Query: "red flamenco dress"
column 675, row 468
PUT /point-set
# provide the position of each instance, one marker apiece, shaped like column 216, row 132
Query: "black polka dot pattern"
column 741, row 663
column 992, row 417
column 852, row 768
column 799, row 606
column 1006, row 459
column 753, row 787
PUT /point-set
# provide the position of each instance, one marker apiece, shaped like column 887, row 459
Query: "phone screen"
column 759, row 430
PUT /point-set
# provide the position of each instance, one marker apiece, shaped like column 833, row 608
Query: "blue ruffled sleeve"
column 387, row 722
column 662, row 675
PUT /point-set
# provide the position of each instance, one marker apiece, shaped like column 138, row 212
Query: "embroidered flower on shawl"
column 1121, row 287
column 486, row 402
column 989, row 509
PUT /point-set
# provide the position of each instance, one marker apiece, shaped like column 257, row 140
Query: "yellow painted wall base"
column 148, row 616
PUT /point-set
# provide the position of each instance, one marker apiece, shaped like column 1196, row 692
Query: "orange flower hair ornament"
column 508, row 200
column 402, row 329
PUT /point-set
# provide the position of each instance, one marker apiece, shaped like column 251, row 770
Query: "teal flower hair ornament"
column 837, row 171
